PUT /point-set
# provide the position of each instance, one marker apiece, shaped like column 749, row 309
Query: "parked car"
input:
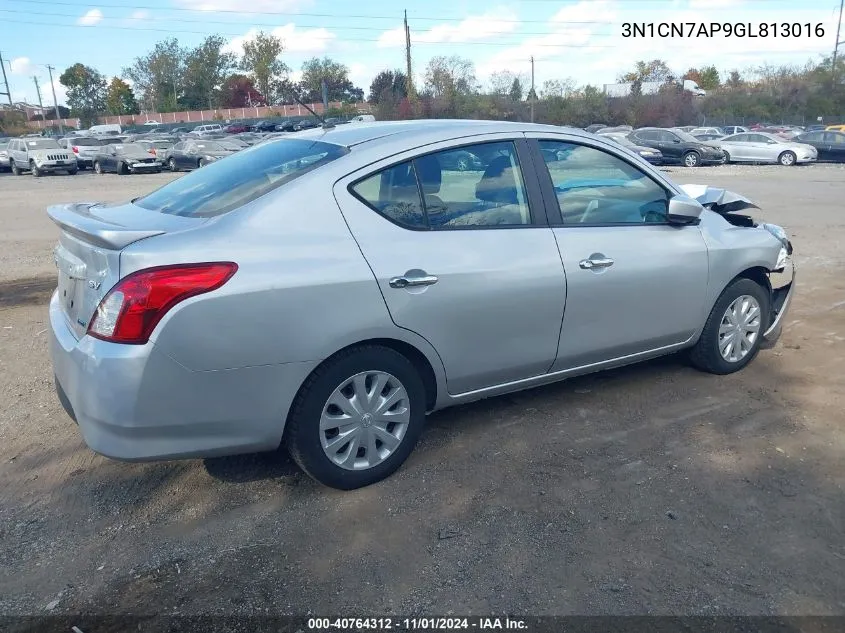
column 830, row 146
column 125, row 158
column 306, row 124
column 677, row 146
column 712, row 131
column 733, row 129
column 813, row 128
column 685, row 128
column 232, row 143
column 285, row 126
column 835, row 128
column 4, row 154
column 193, row 153
column 595, row 127
column 84, row 147
column 179, row 130
column 193, row 321
column 627, row 129
column 264, row 126
column 337, row 121
column 653, row 156
column 363, row 118
column 156, row 146
column 208, row 130
column 39, row 156
column 237, row 128
column 250, row 138
column 461, row 160
column 706, row 138
column 759, row 147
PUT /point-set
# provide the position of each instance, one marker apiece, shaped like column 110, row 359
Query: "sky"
column 577, row 40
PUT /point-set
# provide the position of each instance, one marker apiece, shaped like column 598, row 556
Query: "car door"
column 834, row 147
column 463, row 258
column 647, row 138
column 670, row 144
column 183, row 158
column 761, row 148
column 737, row 147
column 635, row 283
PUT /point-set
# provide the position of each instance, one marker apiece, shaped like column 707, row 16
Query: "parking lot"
column 653, row 489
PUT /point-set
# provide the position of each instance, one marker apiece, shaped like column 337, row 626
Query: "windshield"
column 44, row 143
column 226, row 185
column 685, row 136
column 622, row 140
column 131, row 149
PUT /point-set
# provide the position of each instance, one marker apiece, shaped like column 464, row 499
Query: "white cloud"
column 91, row 18
column 140, row 14
column 23, row 66
column 478, row 27
column 295, row 41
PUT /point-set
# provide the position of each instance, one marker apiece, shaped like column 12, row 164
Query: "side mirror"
column 684, row 210
column 676, row 140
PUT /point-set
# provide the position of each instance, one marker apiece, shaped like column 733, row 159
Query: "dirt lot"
column 652, row 490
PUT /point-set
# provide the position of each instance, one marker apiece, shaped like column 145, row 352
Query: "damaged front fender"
column 719, row 200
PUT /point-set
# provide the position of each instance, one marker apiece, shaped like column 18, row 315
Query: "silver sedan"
column 760, row 147
column 327, row 290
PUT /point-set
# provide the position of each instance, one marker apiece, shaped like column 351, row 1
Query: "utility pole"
column 6, row 81
column 409, row 81
column 835, row 48
column 38, row 92
column 531, row 94
column 50, row 70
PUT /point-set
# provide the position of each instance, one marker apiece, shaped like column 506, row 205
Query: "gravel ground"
column 653, row 489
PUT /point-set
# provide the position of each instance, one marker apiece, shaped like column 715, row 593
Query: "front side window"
column 223, row 186
column 834, row 138
column 594, row 187
column 472, row 186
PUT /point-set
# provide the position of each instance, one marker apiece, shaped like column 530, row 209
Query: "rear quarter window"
column 240, row 178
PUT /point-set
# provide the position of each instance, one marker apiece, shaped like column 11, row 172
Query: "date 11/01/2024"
column 417, row 624
column 723, row 29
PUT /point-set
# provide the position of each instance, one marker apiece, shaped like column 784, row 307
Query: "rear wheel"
column 727, row 157
column 15, row 169
column 733, row 333
column 357, row 417
column 122, row 169
column 691, row 159
column 98, row 168
column 33, row 168
column 787, row 159
column 172, row 164
column 202, row 163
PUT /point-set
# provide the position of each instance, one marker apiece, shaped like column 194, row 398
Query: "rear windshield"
column 240, row 178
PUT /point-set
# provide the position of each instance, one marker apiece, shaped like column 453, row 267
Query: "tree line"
column 173, row 78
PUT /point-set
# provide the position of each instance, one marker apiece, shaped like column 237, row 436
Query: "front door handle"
column 595, row 262
column 407, row 281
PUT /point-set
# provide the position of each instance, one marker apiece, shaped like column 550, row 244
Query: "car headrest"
column 429, row 173
column 498, row 184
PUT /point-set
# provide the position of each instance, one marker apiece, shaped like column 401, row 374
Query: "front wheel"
column 733, row 332
column 787, row 159
column 33, row 169
column 72, row 172
column 691, row 159
column 202, row 163
column 98, row 168
column 357, row 417
column 727, row 158
column 172, row 164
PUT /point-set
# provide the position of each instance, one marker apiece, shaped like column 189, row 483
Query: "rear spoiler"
column 719, row 200
column 78, row 220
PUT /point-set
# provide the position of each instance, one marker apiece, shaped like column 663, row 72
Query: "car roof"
column 386, row 132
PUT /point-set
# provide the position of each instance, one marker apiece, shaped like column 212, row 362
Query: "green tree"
column 158, row 76
column 516, row 90
column 86, row 92
column 450, row 76
column 261, row 61
column 206, row 68
column 120, row 99
column 655, row 70
column 706, row 77
column 336, row 75
column 388, row 84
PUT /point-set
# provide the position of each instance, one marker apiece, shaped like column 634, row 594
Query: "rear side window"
column 240, row 178
column 394, row 193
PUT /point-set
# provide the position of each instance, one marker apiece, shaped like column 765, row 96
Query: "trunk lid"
column 92, row 236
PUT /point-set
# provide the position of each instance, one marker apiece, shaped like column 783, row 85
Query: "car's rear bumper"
column 783, row 289
column 135, row 403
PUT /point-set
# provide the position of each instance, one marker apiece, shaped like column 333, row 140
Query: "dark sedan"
column 306, row 124
column 264, row 126
column 193, row 153
column 653, row 156
column 829, row 144
column 677, row 146
column 125, row 158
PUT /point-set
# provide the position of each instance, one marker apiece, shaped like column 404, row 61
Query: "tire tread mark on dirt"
column 21, row 292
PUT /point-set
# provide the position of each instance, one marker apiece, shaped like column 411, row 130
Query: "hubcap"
column 787, row 159
column 364, row 420
column 691, row 160
column 739, row 328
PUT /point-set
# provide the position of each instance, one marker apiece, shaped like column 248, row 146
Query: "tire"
column 727, row 157
column 788, row 159
column 121, row 169
column 33, row 169
column 706, row 355
column 201, row 163
column 15, row 169
column 692, row 159
column 304, row 438
column 72, row 172
column 172, row 164
column 98, row 168
column 157, row 171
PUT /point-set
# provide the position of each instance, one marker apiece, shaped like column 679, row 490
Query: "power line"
column 326, row 37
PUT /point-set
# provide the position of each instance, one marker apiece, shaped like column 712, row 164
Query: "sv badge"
column 94, row 285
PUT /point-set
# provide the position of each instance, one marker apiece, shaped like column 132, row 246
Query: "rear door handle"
column 595, row 262
column 407, row 281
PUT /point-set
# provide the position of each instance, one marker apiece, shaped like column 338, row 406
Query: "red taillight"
column 130, row 311
column 151, row 151
column 75, row 149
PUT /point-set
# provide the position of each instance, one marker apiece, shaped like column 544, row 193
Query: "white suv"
column 38, row 156
column 201, row 130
